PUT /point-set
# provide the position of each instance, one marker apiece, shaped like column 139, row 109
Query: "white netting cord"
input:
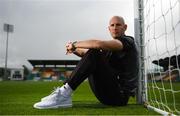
column 162, row 45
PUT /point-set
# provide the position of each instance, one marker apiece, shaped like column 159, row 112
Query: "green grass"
column 17, row 98
column 157, row 95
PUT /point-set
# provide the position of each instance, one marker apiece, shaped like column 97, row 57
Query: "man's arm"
column 78, row 46
column 77, row 51
column 99, row 44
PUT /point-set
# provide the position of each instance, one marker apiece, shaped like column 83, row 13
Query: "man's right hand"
column 69, row 48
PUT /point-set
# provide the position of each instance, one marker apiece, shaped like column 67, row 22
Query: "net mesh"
column 162, row 48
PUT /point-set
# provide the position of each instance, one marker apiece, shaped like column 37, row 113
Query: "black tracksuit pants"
column 102, row 79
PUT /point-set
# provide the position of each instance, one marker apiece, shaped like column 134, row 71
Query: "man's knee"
column 93, row 51
column 95, row 54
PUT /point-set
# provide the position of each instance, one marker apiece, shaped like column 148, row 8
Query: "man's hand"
column 69, row 48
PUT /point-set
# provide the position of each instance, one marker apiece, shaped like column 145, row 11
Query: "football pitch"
column 18, row 97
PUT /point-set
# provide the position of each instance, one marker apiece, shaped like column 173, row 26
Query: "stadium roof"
column 168, row 61
column 35, row 63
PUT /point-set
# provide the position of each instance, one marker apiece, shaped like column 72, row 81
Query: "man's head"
column 117, row 26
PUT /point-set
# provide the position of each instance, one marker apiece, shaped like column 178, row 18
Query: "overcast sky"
column 162, row 28
column 42, row 27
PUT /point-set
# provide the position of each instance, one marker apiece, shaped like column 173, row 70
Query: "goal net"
column 161, row 30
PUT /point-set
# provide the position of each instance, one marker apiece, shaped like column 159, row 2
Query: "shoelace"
column 54, row 91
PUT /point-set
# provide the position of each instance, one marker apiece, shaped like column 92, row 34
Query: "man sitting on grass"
column 111, row 67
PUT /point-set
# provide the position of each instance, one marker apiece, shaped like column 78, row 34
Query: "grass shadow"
column 97, row 105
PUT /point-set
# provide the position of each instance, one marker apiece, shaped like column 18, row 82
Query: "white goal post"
column 157, row 33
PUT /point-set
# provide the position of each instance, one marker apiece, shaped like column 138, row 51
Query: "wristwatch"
column 73, row 46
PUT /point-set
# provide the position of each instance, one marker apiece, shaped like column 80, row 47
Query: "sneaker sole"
column 54, row 107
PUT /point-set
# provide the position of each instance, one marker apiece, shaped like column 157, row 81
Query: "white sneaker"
column 53, row 93
column 55, row 100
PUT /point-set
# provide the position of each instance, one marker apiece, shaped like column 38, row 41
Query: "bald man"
column 111, row 67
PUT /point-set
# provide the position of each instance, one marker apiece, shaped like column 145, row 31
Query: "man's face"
column 117, row 27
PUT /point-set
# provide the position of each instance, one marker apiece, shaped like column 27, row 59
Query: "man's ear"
column 109, row 28
column 125, row 27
